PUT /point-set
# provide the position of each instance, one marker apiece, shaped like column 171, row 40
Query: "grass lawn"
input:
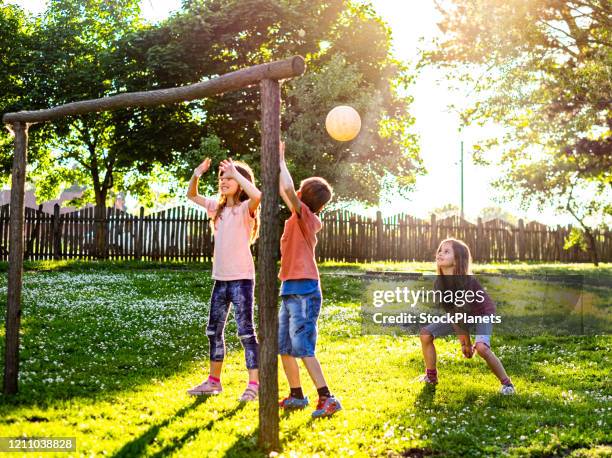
column 108, row 351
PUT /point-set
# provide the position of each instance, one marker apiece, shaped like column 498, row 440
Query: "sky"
column 413, row 25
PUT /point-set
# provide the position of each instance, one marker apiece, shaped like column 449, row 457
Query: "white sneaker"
column 425, row 379
column 206, row 388
column 507, row 390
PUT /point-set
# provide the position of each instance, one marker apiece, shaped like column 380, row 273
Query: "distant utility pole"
column 461, row 167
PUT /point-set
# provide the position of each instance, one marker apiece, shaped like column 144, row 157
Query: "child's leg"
column 483, row 348
column 484, row 351
column 315, row 371
column 428, row 334
column 304, row 312
column 215, row 330
column 215, row 369
column 429, row 350
column 241, row 295
column 290, row 365
column 292, row 371
column 219, row 308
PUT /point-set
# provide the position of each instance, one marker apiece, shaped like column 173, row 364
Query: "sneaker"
column 205, row 388
column 425, row 379
column 249, row 395
column 327, row 407
column 290, row 403
column 507, row 390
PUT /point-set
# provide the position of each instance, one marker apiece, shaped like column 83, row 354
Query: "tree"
column 14, row 34
column 554, row 182
column 231, row 34
column 76, row 52
column 446, row 211
column 489, row 213
column 543, row 69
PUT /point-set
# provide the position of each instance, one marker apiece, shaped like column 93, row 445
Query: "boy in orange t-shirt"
column 300, row 289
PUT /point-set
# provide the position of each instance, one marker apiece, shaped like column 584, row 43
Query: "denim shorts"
column 297, row 324
column 481, row 331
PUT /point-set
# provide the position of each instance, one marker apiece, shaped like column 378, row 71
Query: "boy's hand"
column 227, row 168
column 202, row 168
column 281, row 152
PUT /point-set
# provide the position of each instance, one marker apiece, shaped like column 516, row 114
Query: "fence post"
column 521, row 239
column 57, row 245
column 571, row 252
column 379, row 237
column 479, row 255
column 139, row 235
column 433, row 236
column 353, row 230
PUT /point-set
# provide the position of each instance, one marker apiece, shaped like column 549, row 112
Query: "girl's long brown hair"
column 241, row 196
column 463, row 265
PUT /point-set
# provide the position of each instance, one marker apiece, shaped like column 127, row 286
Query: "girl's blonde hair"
column 463, row 257
column 246, row 171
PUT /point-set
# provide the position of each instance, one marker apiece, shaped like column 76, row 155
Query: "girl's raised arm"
column 229, row 170
column 192, row 190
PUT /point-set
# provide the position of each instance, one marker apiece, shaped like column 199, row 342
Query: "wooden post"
column 15, row 272
column 139, row 235
column 287, row 68
column 266, row 266
column 380, row 256
column 479, row 254
column 57, row 236
column 521, row 239
column 433, row 235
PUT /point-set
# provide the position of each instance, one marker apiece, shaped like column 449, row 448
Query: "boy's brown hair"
column 315, row 193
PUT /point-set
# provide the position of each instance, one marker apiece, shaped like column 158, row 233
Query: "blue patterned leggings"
column 240, row 294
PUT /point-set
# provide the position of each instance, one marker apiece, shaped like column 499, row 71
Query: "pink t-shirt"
column 232, row 259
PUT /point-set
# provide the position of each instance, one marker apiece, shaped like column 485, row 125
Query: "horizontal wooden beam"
column 278, row 70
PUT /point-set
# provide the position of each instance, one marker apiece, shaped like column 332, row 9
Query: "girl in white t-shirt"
column 235, row 220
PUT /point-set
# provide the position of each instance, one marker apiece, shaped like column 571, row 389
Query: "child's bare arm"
column 192, row 190
column 464, row 339
column 229, row 170
column 286, row 186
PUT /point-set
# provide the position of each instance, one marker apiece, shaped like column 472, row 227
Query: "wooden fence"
column 184, row 234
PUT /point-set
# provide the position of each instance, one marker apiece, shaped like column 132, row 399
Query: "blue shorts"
column 297, row 324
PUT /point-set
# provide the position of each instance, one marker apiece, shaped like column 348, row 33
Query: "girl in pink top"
column 235, row 220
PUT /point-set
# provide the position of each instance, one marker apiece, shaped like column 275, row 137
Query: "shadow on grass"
column 93, row 351
column 246, row 445
column 138, row 446
column 426, row 396
column 472, row 422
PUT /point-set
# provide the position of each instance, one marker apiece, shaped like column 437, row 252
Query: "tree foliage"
column 75, row 51
column 543, row 70
column 228, row 34
column 89, row 49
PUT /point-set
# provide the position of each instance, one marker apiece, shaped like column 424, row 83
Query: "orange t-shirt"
column 298, row 246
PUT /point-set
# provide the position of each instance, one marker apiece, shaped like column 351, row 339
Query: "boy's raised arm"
column 286, row 186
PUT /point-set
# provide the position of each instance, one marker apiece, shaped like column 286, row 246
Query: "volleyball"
column 343, row 123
